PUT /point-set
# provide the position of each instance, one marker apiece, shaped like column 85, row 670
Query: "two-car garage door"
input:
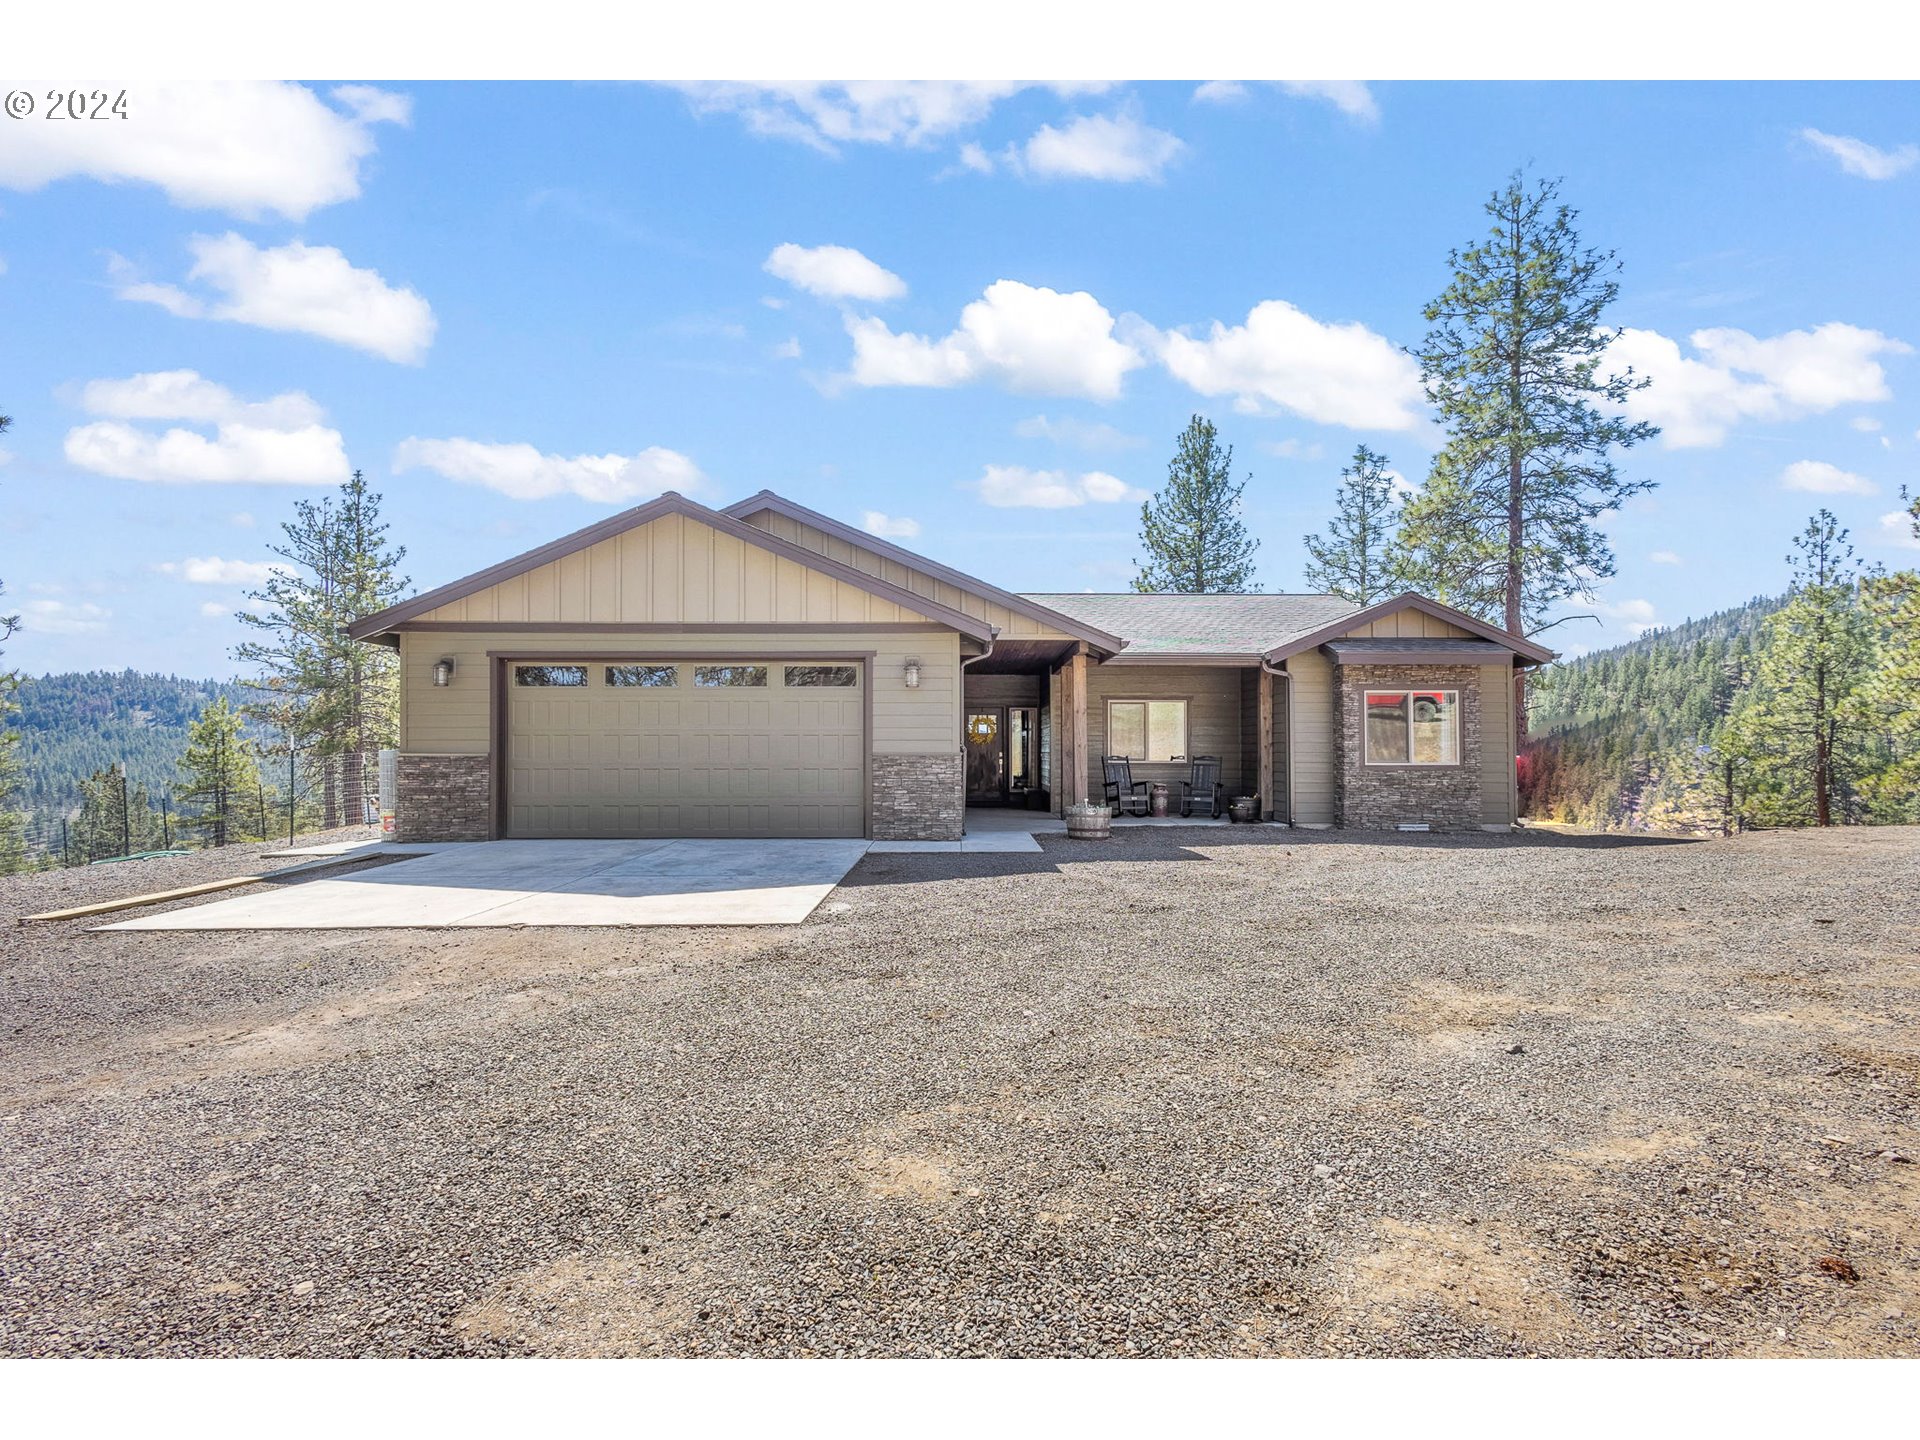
column 721, row 748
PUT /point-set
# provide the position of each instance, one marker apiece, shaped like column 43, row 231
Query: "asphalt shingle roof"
column 1201, row 624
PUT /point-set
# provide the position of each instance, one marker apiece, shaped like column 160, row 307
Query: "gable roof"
column 1171, row 628
column 1025, row 605
column 671, row 503
column 1521, row 649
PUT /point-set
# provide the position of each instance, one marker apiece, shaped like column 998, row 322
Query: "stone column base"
column 443, row 797
column 919, row 797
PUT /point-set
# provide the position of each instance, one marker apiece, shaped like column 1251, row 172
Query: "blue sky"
column 519, row 307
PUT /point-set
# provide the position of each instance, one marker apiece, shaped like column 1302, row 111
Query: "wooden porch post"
column 1077, row 762
column 1266, row 744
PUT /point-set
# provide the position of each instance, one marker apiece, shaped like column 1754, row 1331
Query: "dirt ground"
column 1184, row 1092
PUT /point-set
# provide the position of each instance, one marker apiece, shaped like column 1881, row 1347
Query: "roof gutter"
column 993, row 634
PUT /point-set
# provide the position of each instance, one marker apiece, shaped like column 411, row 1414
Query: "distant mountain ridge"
column 1596, row 726
column 74, row 723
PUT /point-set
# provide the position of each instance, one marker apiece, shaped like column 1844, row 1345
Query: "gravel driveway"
column 1184, row 1093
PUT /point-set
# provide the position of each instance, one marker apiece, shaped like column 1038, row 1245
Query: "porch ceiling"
column 1022, row 657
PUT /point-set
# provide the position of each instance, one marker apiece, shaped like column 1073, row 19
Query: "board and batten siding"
column 673, row 570
column 1311, row 754
column 1409, row 624
column 1212, row 694
column 885, row 567
column 456, row 719
column 1498, row 782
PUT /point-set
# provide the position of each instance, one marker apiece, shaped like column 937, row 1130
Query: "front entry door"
column 986, row 736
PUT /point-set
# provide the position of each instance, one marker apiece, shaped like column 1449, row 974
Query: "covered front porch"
column 1038, row 717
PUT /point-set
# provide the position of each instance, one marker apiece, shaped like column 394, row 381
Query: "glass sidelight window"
column 1412, row 727
column 1149, row 730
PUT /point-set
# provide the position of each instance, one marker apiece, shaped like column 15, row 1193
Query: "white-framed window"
column 1147, row 730
column 1412, row 727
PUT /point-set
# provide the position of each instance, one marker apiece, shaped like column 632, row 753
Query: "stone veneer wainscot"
column 1379, row 797
column 443, row 797
column 919, row 797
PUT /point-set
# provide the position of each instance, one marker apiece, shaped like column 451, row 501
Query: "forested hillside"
column 73, row 724
column 1602, row 728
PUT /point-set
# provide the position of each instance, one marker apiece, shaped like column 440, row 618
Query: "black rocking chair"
column 1202, row 788
column 1122, row 791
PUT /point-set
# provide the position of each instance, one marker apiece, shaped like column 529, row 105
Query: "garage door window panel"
column 550, row 676
column 730, row 676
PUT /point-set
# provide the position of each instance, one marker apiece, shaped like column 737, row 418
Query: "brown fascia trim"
column 1212, row 660
column 671, row 503
column 980, row 589
column 1523, row 650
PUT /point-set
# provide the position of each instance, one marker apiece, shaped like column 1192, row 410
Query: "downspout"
column 993, row 634
column 1287, row 676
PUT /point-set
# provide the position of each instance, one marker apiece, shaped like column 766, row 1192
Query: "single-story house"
column 764, row 670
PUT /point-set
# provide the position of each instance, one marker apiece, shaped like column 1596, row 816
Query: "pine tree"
column 1806, row 727
column 1195, row 541
column 337, row 699
column 220, row 775
column 1514, row 363
column 13, row 842
column 1352, row 559
column 1892, row 697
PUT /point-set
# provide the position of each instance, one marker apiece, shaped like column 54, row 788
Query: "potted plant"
column 1244, row 810
column 1090, row 821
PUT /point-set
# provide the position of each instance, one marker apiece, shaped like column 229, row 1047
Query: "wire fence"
column 289, row 804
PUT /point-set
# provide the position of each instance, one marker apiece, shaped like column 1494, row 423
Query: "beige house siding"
column 1409, row 624
column 1497, row 781
column 885, row 567
column 673, row 570
column 1311, row 753
column 456, row 719
column 1213, row 718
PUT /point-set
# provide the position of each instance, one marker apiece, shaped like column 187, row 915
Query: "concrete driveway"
column 547, row 882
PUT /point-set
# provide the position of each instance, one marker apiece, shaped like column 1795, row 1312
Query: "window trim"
column 1185, row 702
column 1406, row 693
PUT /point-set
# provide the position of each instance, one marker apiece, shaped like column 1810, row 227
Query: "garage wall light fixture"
column 913, row 674
column 443, row 673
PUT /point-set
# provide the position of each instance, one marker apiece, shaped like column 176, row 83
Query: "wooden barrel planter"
column 1089, row 822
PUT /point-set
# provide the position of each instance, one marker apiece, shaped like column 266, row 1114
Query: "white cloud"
column 242, row 519
column 1734, row 376
column 1100, row 147
column 1221, row 92
column 212, row 570
column 524, row 473
column 58, row 617
column 1025, row 338
column 890, row 527
column 280, row 441
column 252, row 148
column 1665, row 557
column 235, row 455
column 1857, row 157
column 1293, row 448
column 787, row 349
column 834, row 272
column 1083, row 434
column 309, row 289
column 214, row 610
column 866, row 112
column 186, row 395
column 1015, row 486
column 1351, row 97
column 1283, row 358
column 1636, row 616
column 1817, row 477
column 974, row 158
column 1896, row 528
column 1865, row 424
column 6, row 455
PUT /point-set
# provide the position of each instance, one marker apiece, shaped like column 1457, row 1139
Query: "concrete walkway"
column 547, row 882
